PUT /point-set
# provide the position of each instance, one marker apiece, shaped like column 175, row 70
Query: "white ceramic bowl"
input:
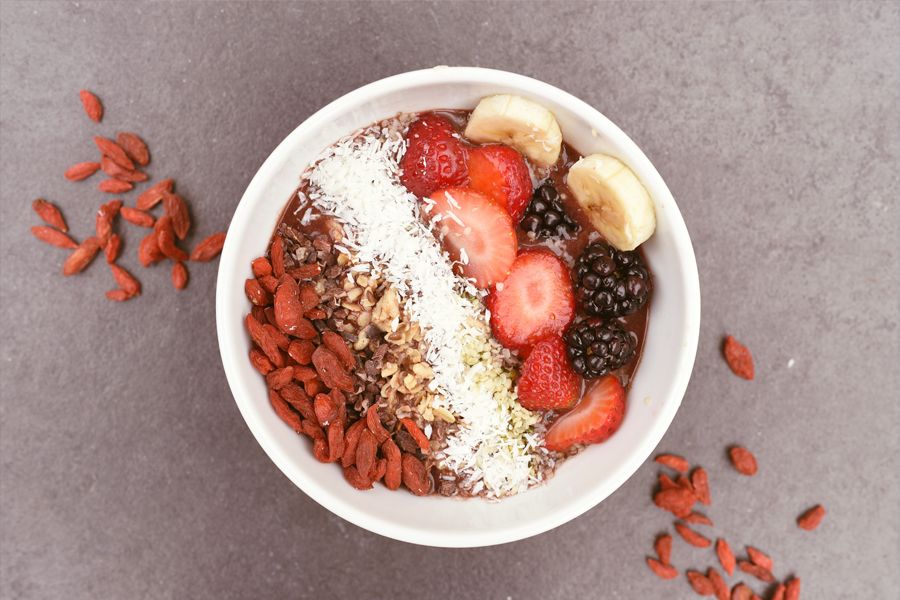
column 581, row 482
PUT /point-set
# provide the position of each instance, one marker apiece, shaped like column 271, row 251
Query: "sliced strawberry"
column 547, row 381
column 476, row 232
column 501, row 173
column 434, row 158
column 534, row 302
column 593, row 420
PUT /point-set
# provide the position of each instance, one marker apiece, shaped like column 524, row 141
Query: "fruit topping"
column 434, row 159
column 596, row 417
column 518, row 122
column 597, row 348
column 610, row 283
column 545, row 217
column 535, row 301
column 476, row 231
column 547, row 381
column 501, row 173
column 616, row 202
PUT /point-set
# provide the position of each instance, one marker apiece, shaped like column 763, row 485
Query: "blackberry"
column 611, row 283
column 545, row 216
column 597, row 348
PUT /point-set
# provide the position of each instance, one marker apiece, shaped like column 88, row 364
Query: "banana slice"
column 518, row 122
column 614, row 199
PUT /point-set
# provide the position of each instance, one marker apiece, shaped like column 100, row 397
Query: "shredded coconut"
column 494, row 449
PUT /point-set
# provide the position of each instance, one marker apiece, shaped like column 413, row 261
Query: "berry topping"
column 545, row 217
column 477, row 233
column 611, row 283
column 547, row 381
column 501, row 173
column 597, row 348
column 435, row 159
column 596, row 417
column 535, row 301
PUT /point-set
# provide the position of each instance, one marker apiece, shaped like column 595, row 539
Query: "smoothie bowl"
column 458, row 307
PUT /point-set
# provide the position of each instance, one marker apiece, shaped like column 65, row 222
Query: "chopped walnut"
column 386, row 310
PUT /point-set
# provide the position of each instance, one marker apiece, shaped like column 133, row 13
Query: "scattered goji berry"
column 134, row 147
column 662, row 570
column 700, row 483
column 673, row 462
column 82, row 256
column 692, row 537
column 761, row 573
column 93, row 108
column 701, row 583
column 743, row 460
column 726, row 556
column 738, row 358
column 114, row 151
column 179, row 275
column 50, row 214
column 810, row 519
column 82, row 170
column 208, row 248
column 663, row 548
column 759, row 557
column 53, row 236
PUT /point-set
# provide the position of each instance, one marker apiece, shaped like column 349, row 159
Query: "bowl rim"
column 462, row 75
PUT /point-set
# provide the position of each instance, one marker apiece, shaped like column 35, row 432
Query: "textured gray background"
column 127, row 471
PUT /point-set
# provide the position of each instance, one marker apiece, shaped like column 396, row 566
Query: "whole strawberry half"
column 434, row 158
column 593, row 420
column 547, row 381
column 501, row 173
column 477, row 233
column 534, row 302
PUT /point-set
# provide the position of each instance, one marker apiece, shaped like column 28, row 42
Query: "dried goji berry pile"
column 679, row 496
column 310, row 371
column 121, row 160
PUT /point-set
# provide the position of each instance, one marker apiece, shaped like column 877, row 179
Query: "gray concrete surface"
column 127, row 471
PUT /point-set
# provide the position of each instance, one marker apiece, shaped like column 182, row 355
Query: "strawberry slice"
column 547, row 381
column 534, row 302
column 593, row 420
column 476, row 232
column 501, row 173
column 434, row 158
